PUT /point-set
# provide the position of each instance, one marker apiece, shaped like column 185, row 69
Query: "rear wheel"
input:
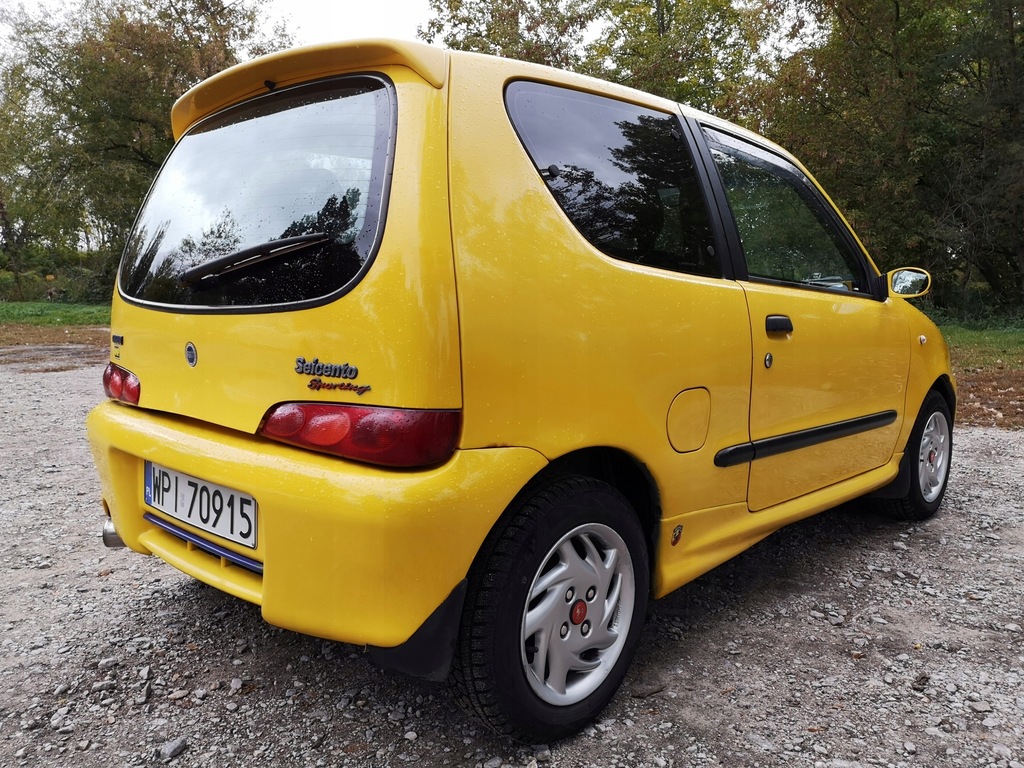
column 929, row 452
column 554, row 611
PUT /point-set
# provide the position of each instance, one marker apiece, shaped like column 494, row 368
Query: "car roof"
column 298, row 65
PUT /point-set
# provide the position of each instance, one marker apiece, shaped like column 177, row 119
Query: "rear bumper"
column 349, row 552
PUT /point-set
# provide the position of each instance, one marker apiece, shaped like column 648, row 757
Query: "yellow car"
column 464, row 360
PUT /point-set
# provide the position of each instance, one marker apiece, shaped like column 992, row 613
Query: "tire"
column 929, row 451
column 554, row 611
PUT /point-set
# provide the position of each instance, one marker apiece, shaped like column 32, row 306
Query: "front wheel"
column 554, row 612
column 929, row 452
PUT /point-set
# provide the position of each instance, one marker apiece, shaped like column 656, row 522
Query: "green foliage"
column 53, row 313
column 910, row 113
column 85, row 98
column 542, row 31
column 699, row 52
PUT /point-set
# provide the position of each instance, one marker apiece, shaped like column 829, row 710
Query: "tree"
column 40, row 206
column 698, row 52
column 541, row 31
column 93, row 89
column 910, row 113
column 982, row 199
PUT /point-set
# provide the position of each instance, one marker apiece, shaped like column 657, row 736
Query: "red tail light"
column 122, row 385
column 393, row 437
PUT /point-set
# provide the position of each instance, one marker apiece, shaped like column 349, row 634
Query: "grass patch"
column 53, row 314
column 988, row 349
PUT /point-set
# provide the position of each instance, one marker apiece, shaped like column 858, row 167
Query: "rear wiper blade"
column 248, row 257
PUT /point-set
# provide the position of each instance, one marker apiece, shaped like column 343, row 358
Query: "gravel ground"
column 842, row 641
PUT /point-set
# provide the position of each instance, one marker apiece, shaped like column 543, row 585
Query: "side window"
column 622, row 174
column 784, row 226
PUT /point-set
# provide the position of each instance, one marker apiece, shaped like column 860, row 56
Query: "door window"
column 786, row 229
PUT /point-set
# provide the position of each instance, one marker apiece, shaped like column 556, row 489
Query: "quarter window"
column 622, row 174
column 784, row 226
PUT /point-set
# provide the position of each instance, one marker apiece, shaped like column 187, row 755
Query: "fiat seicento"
column 464, row 360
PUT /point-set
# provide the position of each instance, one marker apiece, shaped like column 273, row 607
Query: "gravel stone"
column 173, row 748
column 834, row 643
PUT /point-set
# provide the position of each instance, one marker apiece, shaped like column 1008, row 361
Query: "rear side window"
column 275, row 201
column 622, row 174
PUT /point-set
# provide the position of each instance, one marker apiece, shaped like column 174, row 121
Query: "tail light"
column 393, row 437
column 120, row 384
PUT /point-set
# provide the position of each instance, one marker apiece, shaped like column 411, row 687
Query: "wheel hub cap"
column 566, row 658
column 578, row 612
column 933, row 460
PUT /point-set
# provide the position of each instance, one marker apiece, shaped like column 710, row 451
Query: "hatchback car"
column 464, row 360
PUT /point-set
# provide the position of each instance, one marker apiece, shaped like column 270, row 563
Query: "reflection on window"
column 301, row 161
column 621, row 173
column 782, row 228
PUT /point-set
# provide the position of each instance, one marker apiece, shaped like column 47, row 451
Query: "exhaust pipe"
column 110, row 535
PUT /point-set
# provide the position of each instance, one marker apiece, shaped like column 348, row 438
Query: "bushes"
column 73, row 277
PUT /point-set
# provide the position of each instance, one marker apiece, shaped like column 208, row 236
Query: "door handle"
column 778, row 324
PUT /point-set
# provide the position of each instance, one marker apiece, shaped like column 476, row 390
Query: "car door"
column 830, row 353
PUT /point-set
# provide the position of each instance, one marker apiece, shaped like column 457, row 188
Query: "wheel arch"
column 627, row 475
column 619, row 469
column 944, row 386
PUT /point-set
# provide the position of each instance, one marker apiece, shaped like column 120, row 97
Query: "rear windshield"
column 276, row 201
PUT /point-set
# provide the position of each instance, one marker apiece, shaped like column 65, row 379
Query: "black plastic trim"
column 772, row 446
column 727, row 240
column 428, row 653
column 778, row 324
column 207, row 546
column 898, row 488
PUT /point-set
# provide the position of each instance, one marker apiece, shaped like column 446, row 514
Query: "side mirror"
column 909, row 282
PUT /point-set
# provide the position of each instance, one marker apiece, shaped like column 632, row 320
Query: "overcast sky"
column 321, row 21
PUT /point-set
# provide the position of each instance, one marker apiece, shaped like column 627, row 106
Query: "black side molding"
column 772, row 446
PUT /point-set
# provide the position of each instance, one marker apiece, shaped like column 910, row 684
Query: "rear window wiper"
column 248, row 257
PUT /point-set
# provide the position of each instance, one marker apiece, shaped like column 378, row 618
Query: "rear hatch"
column 295, row 246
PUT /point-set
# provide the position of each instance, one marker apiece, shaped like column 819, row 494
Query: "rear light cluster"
column 120, row 384
column 392, row 437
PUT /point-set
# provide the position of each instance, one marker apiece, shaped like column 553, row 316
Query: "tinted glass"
column 783, row 225
column 307, row 161
column 622, row 174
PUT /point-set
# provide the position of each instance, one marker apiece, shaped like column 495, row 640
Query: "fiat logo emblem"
column 191, row 356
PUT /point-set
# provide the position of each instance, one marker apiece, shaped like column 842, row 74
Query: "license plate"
column 213, row 508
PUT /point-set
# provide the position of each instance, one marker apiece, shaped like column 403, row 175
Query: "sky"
column 321, row 21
